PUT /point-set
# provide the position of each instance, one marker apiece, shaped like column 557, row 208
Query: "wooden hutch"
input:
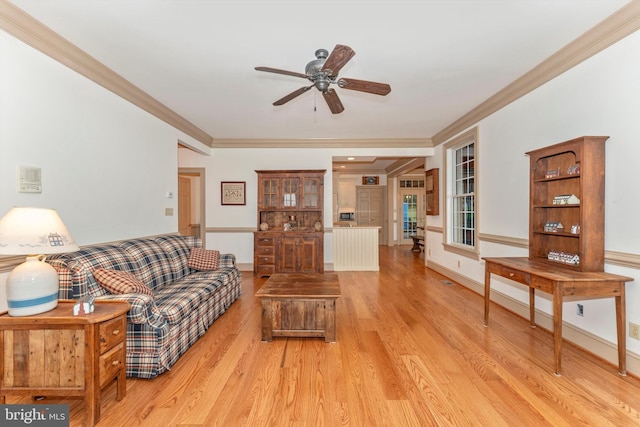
column 290, row 236
column 566, row 217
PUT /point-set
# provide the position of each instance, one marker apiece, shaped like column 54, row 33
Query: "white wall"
column 106, row 164
column 598, row 97
column 240, row 165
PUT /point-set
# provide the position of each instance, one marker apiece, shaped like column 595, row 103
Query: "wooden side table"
column 59, row 354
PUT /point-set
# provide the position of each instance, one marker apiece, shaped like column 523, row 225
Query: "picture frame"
column 370, row 180
column 432, row 189
column 233, row 193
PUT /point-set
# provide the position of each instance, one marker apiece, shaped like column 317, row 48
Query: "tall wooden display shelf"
column 566, row 218
column 290, row 237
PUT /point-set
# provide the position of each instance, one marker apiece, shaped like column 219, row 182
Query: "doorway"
column 412, row 209
column 191, row 202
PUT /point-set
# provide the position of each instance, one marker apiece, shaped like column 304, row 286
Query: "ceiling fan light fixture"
column 323, row 72
column 322, row 84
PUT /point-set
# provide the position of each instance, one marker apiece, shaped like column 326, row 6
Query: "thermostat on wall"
column 29, row 180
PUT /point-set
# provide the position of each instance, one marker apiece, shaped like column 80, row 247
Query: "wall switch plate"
column 29, row 179
column 168, row 212
column 634, row 330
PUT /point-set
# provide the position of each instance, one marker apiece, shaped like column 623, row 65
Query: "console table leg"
column 621, row 324
column 532, row 307
column 487, row 293
column 557, row 329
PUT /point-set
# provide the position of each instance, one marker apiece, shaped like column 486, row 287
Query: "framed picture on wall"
column 431, row 187
column 233, row 193
column 370, row 180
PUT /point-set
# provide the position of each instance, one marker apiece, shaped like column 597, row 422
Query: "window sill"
column 462, row 250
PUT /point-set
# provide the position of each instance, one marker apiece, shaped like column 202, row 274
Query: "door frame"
column 201, row 174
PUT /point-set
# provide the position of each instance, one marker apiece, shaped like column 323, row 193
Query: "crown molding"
column 323, row 143
column 24, row 27
column 402, row 167
column 614, row 28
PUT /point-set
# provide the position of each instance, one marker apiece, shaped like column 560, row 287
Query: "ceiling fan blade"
column 285, row 72
column 292, row 95
column 334, row 103
column 365, row 86
column 340, row 55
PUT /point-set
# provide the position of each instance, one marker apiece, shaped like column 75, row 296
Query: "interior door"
column 411, row 214
column 371, row 209
column 184, row 205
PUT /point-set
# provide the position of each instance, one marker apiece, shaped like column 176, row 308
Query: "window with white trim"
column 460, row 161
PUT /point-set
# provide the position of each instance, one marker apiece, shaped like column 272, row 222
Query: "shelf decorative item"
column 564, row 257
column 566, row 199
column 573, row 170
column 575, row 229
column 554, row 227
column 552, row 173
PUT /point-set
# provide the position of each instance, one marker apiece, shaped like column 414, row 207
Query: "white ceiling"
column 441, row 58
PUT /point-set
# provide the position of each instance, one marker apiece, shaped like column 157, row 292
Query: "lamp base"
column 32, row 287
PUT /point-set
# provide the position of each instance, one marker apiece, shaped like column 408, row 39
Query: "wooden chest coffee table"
column 299, row 305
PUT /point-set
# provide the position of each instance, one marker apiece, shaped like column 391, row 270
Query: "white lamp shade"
column 26, row 230
column 32, row 287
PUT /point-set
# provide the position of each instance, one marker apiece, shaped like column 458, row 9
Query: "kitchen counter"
column 355, row 248
column 345, row 224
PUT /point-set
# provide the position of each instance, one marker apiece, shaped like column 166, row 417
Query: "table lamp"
column 32, row 287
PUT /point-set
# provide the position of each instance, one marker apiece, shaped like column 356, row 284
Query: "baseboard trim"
column 587, row 341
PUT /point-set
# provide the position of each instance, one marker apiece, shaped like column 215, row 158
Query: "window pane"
column 463, row 198
column 409, row 215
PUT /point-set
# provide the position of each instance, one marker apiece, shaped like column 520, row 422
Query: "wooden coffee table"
column 299, row 305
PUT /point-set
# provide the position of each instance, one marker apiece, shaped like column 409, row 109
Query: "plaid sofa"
column 185, row 302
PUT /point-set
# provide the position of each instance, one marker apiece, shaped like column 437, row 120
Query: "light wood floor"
column 411, row 351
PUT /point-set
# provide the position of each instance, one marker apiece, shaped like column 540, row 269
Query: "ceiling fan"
column 323, row 72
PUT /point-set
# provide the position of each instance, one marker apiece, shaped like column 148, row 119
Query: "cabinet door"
column 312, row 190
column 268, row 193
column 289, row 255
column 290, row 192
column 308, row 248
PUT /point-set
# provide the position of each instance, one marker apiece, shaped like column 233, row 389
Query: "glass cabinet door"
column 311, row 192
column 270, row 193
column 290, row 192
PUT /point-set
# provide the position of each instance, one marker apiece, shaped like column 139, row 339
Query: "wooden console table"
column 561, row 281
column 58, row 354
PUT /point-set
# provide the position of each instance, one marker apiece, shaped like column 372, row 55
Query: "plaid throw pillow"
column 203, row 259
column 120, row 282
